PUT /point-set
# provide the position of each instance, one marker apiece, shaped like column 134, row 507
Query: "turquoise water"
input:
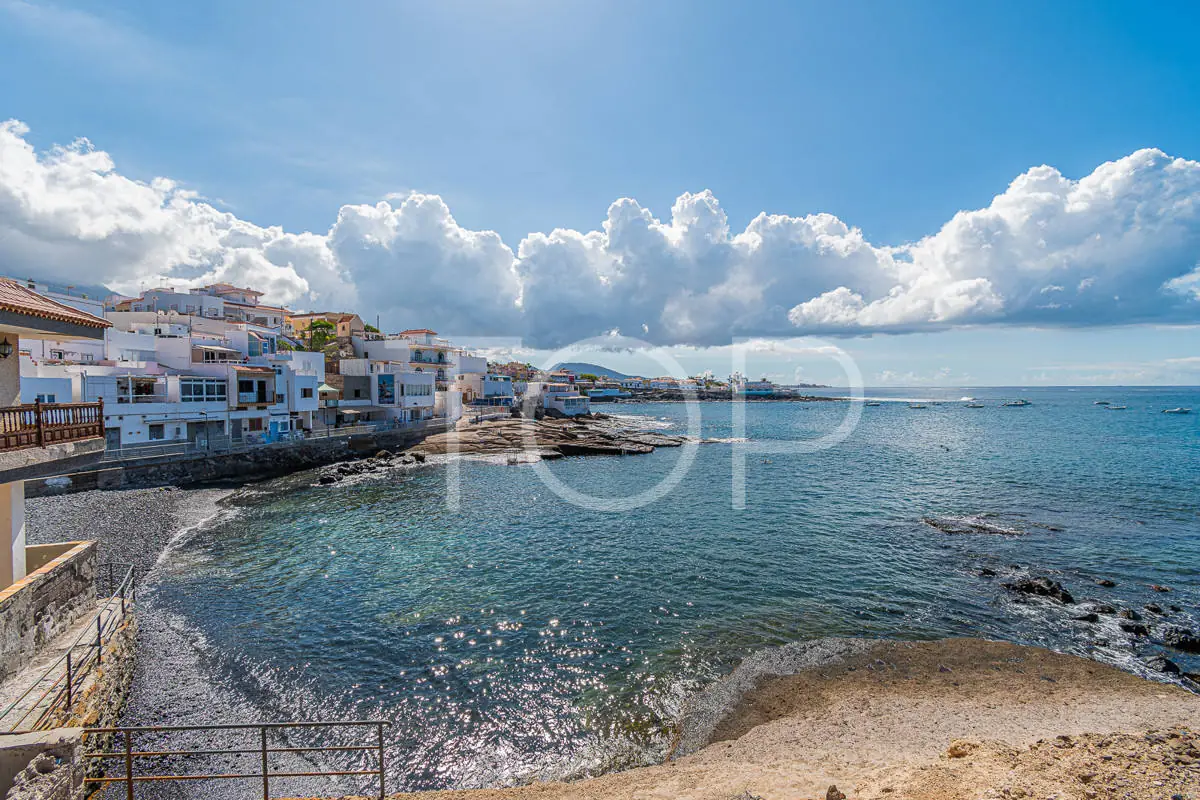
column 521, row 637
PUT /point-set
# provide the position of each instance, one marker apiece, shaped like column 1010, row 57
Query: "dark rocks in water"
column 1181, row 639
column 1106, row 583
column 1157, row 588
column 1089, row 617
column 833, row 794
column 327, row 479
column 1103, row 608
column 985, row 572
column 1129, row 613
column 1135, row 628
column 383, row 455
column 959, row 525
column 417, row 455
column 1163, row 664
column 1041, row 587
column 1154, row 608
column 1174, row 607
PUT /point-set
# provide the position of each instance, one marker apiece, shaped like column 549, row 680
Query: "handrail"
column 40, row 424
column 127, row 753
column 63, row 688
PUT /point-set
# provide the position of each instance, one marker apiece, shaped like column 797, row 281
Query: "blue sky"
column 524, row 117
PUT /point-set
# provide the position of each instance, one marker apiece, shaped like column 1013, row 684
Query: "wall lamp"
column 6, row 349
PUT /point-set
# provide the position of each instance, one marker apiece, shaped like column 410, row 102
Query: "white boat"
column 917, row 405
column 1101, row 403
column 1021, row 402
column 973, row 405
column 872, row 403
column 1177, row 411
column 1116, row 408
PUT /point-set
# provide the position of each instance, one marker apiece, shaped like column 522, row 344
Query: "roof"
column 419, row 330
column 21, row 300
column 255, row 370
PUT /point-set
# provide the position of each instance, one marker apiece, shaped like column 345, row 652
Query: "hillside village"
column 215, row 366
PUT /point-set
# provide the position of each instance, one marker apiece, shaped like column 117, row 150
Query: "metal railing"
column 59, row 684
column 130, row 776
column 40, row 424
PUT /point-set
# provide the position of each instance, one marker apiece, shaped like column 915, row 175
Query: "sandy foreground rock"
column 958, row 718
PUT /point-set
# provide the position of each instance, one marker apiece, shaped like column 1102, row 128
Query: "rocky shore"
column 592, row 434
column 874, row 719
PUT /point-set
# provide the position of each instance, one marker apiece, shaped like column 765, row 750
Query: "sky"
column 959, row 194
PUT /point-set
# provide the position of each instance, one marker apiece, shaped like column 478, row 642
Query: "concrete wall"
column 44, row 765
column 45, row 603
column 10, row 375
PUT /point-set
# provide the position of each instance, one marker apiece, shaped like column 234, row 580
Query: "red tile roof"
column 21, row 300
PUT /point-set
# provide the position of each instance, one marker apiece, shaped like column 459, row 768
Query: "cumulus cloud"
column 1120, row 245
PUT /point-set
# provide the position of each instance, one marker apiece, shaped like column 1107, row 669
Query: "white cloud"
column 1126, row 237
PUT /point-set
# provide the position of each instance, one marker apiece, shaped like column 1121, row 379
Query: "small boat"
column 1116, row 408
column 1177, row 411
column 873, row 403
column 917, row 405
column 1016, row 403
column 1101, row 403
column 973, row 405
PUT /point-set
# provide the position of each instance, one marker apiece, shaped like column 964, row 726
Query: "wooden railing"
column 41, row 424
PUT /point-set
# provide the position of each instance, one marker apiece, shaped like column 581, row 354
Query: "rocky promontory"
column 591, row 434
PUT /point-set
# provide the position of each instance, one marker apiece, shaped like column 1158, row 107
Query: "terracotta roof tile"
column 21, row 300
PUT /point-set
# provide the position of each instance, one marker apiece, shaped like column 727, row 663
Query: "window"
column 46, row 398
column 157, row 433
column 202, row 390
column 306, row 393
column 358, row 392
column 58, row 355
column 245, row 387
column 254, row 424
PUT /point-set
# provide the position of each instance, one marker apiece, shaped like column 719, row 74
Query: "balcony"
column 40, row 439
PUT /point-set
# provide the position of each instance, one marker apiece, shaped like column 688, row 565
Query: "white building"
column 562, row 397
column 633, row 383
column 763, row 388
column 480, row 389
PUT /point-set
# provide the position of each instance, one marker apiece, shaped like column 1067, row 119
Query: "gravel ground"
column 131, row 525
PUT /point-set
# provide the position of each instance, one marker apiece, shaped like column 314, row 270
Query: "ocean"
column 519, row 636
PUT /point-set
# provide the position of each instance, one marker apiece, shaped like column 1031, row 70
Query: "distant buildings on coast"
column 215, row 364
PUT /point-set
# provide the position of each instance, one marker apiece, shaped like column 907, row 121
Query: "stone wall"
column 45, row 765
column 45, row 603
column 260, row 463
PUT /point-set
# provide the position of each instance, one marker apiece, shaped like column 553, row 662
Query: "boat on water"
column 873, row 403
column 1102, row 403
column 1111, row 407
column 917, row 405
column 972, row 405
column 1020, row 402
column 1177, row 411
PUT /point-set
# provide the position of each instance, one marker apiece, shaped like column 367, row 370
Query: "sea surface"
column 510, row 635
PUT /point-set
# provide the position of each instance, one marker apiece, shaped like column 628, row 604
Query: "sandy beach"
column 958, row 718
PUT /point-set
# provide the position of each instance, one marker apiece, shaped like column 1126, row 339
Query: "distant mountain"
column 582, row 367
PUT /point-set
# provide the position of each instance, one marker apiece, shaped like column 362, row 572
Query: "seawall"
column 260, row 463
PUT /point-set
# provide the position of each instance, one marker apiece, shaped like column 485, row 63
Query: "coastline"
column 933, row 720
column 875, row 717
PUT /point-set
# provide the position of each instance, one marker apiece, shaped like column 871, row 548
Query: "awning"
column 255, row 370
column 325, row 387
column 349, row 412
column 216, row 348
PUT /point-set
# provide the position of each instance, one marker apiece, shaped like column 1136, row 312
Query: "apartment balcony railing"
column 41, row 424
